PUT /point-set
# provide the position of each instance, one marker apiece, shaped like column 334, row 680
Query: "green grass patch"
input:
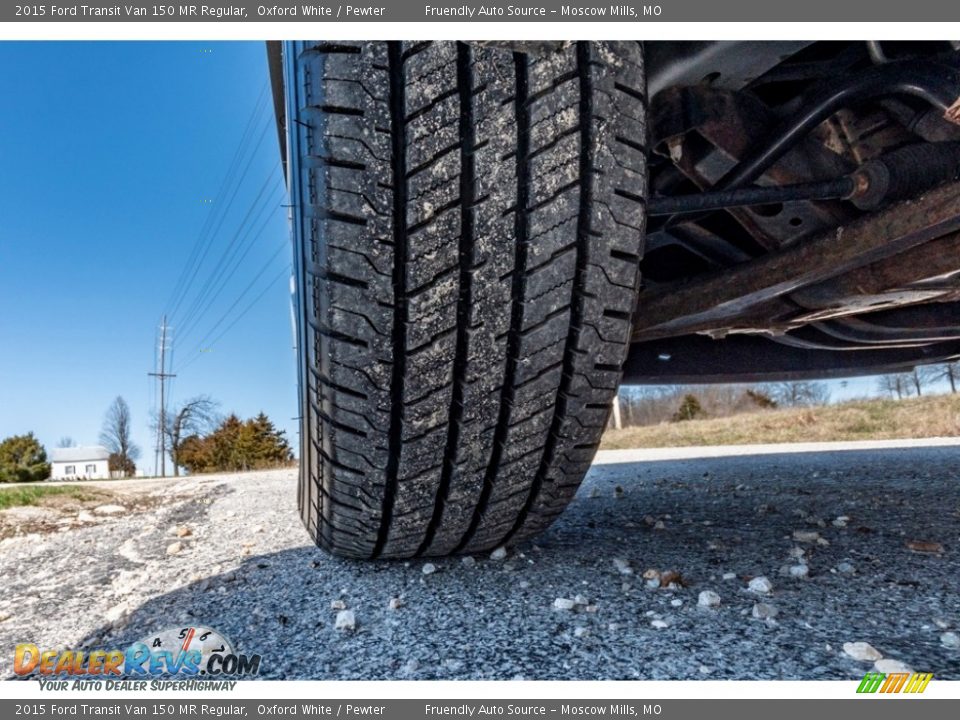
column 32, row 494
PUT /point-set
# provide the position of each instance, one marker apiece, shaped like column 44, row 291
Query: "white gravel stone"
column 659, row 624
column 676, row 602
column 840, row 521
column 346, row 620
column 764, row 611
column 807, row 536
column 469, row 561
column 729, row 576
column 564, row 604
column 338, row 605
column 889, row 665
column 428, row 569
column 580, row 631
column 622, row 566
column 760, row 585
column 800, row 571
column 109, row 510
column 581, row 599
column 395, row 603
column 708, row 598
column 950, row 640
column 85, row 517
column 862, row 651
column 174, row 548
column 846, row 568
column 499, row 554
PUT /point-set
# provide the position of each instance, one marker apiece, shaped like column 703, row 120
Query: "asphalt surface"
column 248, row 570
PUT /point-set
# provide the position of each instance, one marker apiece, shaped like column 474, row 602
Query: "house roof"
column 80, row 454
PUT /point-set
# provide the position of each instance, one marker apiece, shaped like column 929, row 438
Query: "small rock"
column 564, row 604
column 840, row 521
column 174, row 548
column 499, row 554
column 923, row 546
column 889, row 665
column 183, row 531
column 807, row 536
column 760, row 585
column 338, row 605
column 729, row 576
column 580, row 599
column 676, row 602
column 659, row 624
column 671, row 579
column 864, row 652
column 524, row 584
column 764, row 611
column 796, row 552
column 846, row 568
column 622, row 566
column 590, row 609
column 109, row 510
column 580, row 631
column 428, row 569
column 658, row 525
column 800, row 571
column 85, row 517
column 346, row 620
column 395, row 603
column 411, row 666
column 468, row 561
column 708, row 598
column 950, row 640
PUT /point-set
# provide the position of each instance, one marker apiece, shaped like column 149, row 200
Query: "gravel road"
column 857, row 546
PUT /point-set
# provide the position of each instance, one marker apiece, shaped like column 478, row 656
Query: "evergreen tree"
column 23, row 459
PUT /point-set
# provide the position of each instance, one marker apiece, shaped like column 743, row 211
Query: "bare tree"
column 896, row 385
column 800, row 394
column 194, row 417
column 66, row 442
column 116, row 436
column 949, row 372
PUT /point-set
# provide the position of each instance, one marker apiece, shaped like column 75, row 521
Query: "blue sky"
column 112, row 156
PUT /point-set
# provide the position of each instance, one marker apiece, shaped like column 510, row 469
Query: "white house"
column 80, row 463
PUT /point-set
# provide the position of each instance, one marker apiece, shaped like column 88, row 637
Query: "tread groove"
column 506, row 399
column 465, row 259
column 401, row 310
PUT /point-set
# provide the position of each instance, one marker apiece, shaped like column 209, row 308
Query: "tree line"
column 197, row 439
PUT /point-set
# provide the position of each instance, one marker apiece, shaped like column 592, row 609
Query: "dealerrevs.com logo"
column 190, row 652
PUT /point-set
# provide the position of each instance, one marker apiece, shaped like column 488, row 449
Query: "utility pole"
column 162, row 378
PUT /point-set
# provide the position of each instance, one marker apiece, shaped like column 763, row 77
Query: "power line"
column 284, row 272
column 219, row 224
column 229, row 262
column 225, row 183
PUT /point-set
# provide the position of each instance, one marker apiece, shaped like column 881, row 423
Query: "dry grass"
column 933, row 416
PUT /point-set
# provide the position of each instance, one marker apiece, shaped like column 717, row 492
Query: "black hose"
column 835, row 189
column 935, row 83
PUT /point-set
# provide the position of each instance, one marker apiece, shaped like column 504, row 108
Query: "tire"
column 469, row 224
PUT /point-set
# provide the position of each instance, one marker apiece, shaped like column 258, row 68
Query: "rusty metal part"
column 707, row 131
column 938, row 85
column 719, row 300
